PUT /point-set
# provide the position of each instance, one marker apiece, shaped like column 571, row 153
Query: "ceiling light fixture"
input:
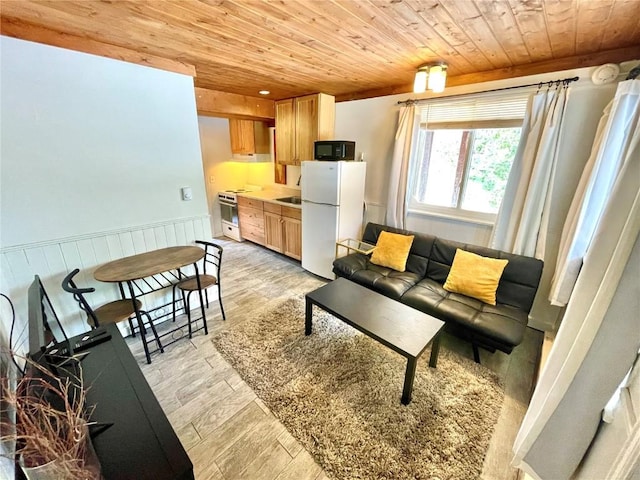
column 264, row 92
column 432, row 76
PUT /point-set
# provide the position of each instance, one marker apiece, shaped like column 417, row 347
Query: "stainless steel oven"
column 229, row 212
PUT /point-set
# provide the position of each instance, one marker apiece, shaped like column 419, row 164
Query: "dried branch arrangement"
column 50, row 424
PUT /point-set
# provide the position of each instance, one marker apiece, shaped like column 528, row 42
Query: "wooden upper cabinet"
column 285, row 132
column 301, row 121
column 248, row 136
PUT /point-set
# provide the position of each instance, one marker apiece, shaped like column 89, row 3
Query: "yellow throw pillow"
column 475, row 276
column 392, row 250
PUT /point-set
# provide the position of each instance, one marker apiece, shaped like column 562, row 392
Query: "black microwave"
column 334, row 150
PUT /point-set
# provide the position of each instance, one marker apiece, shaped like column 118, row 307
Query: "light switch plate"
column 187, row 194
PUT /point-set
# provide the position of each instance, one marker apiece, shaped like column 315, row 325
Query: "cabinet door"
column 292, row 237
column 241, row 133
column 273, row 231
column 285, row 132
column 306, row 112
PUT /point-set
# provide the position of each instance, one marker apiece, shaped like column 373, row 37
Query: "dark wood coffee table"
column 399, row 327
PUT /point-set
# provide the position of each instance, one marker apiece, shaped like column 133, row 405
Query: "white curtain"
column 521, row 225
column 595, row 345
column 397, row 198
column 618, row 132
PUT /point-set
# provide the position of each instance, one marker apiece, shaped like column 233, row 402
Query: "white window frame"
column 477, row 111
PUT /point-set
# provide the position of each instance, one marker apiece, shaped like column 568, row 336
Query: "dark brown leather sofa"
column 491, row 327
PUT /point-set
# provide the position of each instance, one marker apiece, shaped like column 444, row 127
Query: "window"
column 463, row 155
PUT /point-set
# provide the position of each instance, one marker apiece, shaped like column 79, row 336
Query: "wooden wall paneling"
column 181, row 236
column 478, row 31
column 409, row 20
column 19, row 267
column 293, row 21
column 114, row 245
column 528, row 19
column 189, row 232
column 160, row 236
column 501, row 19
column 561, row 23
column 624, row 18
column 37, row 262
column 139, row 245
column 592, row 16
column 18, row 29
column 72, row 260
column 233, row 37
column 345, row 49
column 126, row 242
column 391, row 33
column 330, row 23
column 53, row 260
column 86, row 253
column 221, row 104
column 149, row 239
column 170, row 235
column 567, row 63
column 453, row 34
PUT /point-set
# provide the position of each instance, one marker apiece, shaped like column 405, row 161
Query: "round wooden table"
column 147, row 264
column 142, row 265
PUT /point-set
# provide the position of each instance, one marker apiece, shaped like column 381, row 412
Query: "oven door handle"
column 223, row 202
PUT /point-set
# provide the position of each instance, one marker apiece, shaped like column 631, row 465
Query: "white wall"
column 92, row 144
column 372, row 124
column 94, row 153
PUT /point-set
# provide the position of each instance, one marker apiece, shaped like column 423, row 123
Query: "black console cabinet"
column 141, row 443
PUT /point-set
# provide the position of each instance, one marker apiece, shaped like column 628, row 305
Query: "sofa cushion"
column 519, row 281
column 501, row 323
column 391, row 283
column 475, row 276
column 392, row 250
column 420, row 248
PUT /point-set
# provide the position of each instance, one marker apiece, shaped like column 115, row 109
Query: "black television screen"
column 44, row 326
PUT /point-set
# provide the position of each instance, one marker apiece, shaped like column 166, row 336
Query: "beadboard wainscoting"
column 52, row 260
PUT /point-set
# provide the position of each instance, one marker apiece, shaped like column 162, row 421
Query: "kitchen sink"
column 294, row 200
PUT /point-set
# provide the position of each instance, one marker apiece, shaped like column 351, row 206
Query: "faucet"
column 299, row 178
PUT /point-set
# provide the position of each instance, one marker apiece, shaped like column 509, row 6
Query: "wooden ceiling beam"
column 230, row 105
column 34, row 33
column 548, row 66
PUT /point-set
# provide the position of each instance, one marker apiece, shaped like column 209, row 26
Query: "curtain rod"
column 564, row 81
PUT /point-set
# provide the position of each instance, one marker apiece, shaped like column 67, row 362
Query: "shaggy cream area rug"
column 338, row 392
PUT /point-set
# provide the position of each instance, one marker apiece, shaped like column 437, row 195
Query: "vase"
column 80, row 462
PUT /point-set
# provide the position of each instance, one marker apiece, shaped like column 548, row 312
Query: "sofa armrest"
column 348, row 265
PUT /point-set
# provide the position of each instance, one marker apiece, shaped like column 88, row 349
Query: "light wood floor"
column 230, row 434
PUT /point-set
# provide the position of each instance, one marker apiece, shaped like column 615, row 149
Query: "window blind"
column 502, row 107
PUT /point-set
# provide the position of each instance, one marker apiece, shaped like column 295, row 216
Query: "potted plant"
column 50, row 428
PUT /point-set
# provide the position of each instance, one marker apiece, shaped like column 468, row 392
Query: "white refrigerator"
column 332, row 209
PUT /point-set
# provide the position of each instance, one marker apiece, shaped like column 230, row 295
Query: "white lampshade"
column 420, row 82
column 437, row 78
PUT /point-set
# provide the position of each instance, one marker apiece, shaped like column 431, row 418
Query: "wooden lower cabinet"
column 271, row 224
column 251, row 219
column 273, row 231
column 283, row 229
column 292, row 237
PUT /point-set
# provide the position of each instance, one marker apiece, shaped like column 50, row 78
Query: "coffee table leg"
column 435, row 348
column 308, row 315
column 408, row 380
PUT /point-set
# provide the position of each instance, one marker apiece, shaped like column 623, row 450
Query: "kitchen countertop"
column 271, row 196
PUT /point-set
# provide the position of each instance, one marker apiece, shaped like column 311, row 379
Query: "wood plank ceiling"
column 347, row 48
